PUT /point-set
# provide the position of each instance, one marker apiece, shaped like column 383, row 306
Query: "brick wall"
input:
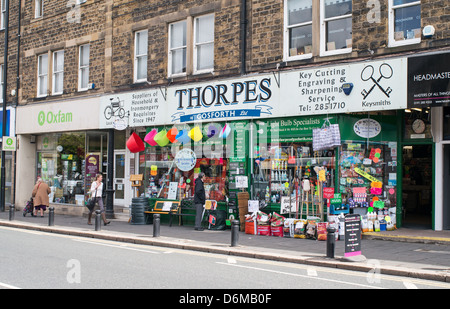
column 109, row 26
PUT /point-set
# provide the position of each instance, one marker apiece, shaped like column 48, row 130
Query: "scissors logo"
column 367, row 74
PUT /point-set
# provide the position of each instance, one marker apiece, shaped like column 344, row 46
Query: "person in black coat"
column 199, row 200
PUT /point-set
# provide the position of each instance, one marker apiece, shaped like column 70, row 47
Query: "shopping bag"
column 326, row 137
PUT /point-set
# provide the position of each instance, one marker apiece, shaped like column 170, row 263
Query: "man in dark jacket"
column 199, row 200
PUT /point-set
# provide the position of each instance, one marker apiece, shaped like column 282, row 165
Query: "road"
column 37, row 260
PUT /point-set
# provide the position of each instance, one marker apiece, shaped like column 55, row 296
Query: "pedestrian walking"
column 40, row 196
column 96, row 192
column 199, row 200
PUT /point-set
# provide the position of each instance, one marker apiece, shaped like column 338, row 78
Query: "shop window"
column 162, row 176
column 61, row 164
column 417, row 123
column 368, row 174
column 404, row 22
column 280, row 170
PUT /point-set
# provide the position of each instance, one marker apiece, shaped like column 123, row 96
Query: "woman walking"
column 40, row 194
column 96, row 193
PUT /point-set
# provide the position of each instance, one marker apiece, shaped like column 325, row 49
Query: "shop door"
column 119, row 177
column 417, row 186
column 446, row 197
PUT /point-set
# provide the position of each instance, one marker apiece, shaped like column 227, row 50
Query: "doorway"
column 119, row 177
column 417, row 190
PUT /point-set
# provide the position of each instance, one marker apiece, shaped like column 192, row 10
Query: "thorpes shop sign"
column 369, row 86
column 249, row 98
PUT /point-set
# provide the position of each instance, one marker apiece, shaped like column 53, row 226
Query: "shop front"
column 61, row 143
column 269, row 152
column 426, row 142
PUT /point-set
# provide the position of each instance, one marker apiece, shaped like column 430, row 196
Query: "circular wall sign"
column 185, row 159
column 367, row 128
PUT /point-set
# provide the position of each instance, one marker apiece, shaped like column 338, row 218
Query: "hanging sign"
column 186, row 159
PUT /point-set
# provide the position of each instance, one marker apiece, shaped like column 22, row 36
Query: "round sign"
column 367, row 128
column 185, row 159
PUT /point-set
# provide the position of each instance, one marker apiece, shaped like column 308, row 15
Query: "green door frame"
column 408, row 142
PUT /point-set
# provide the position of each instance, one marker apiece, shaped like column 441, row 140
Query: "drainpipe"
column 243, row 42
column 5, row 97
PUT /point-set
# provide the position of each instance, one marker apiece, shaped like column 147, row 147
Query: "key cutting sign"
column 367, row 74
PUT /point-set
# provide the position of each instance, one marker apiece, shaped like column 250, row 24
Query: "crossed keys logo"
column 385, row 71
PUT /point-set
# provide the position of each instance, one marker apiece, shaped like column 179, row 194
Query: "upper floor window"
column 3, row 14
column 42, row 84
column 58, row 72
column 177, row 48
column 333, row 18
column 298, row 33
column 140, row 55
column 204, row 44
column 404, row 22
column 200, row 46
column 83, row 67
column 335, row 27
column 38, row 8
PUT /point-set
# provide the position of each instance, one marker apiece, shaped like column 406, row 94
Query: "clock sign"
column 418, row 126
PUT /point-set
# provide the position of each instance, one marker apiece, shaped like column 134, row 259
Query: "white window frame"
column 140, row 59
column 286, row 38
column 38, row 8
column 83, row 67
column 323, row 23
column 171, row 50
column 199, row 44
column 57, row 74
column 42, row 91
column 392, row 41
column 3, row 14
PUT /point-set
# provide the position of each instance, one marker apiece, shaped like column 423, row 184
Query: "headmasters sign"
column 429, row 80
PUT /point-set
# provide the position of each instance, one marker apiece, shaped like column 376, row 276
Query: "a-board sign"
column 352, row 235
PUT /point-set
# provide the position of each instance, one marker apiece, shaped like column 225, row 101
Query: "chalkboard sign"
column 352, row 235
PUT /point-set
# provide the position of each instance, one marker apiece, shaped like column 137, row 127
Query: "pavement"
column 422, row 254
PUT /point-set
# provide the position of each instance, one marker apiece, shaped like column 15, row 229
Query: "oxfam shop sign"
column 53, row 118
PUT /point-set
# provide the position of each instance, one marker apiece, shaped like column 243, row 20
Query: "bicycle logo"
column 385, row 71
column 114, row 109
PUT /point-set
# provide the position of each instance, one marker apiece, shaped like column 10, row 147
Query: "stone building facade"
column 239, row 38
